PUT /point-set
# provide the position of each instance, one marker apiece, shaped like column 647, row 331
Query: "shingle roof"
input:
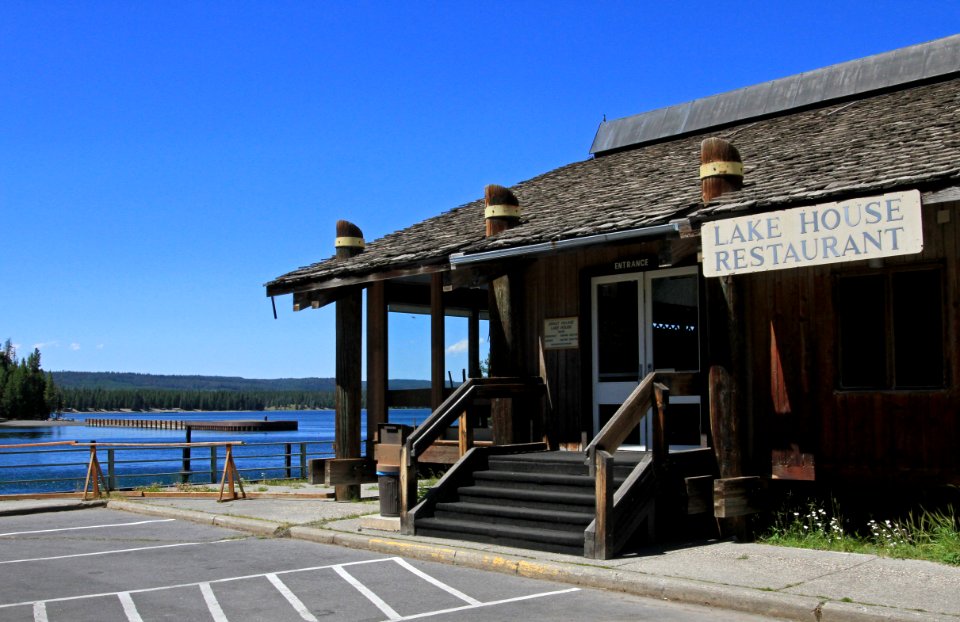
column 903, row 138
column 916, row 63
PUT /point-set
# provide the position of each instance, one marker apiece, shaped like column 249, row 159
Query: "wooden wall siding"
column 553, row 291
column 557, row 286
column 882, row 435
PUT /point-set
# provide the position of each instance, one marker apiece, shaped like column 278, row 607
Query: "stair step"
column 513, row 515
column 568, row 462
column 560, row 482
column 505, row 535
column 518, row 497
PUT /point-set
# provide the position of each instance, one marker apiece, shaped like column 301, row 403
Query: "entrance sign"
column 561, row 333
column 636, row 264
column 867, row 228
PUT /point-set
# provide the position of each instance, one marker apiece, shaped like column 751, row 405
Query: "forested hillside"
column 25, row 391
column 126, row 380
column 92, row 391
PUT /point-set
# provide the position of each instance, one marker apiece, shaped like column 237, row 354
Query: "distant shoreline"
column 35, row 423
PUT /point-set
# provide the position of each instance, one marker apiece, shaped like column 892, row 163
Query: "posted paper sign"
column 561, row 333
column 851, row 230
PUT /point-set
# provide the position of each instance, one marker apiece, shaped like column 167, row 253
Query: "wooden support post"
column 437, row 337
column 503, row 212
column 603, row 539
column 377, row 358
column 347, row 396
column 724, row 423
column 464, row 433
column 473, row 344
column 408, row 489
column 505, row 358
column 230, row 477
column 94, row 475
column 349, row 322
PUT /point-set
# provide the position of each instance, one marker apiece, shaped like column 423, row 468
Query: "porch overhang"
column 458, row 260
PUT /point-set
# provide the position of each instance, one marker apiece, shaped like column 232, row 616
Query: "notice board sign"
column 856, row 229
column 561, row 333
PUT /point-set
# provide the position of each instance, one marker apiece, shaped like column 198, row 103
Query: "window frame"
column 888, row 275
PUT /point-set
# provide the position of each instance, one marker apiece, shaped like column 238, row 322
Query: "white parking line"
column 443, row 586
column 291, row 598
column 213, row 605
column 516, row 599
column 175, row 586
column 140, row 522
column 129, row 608
column 216, row 612
column 97, row 553
column 368, row 593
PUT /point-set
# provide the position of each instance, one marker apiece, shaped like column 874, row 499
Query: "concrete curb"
column 63, row 507
column 734, row 598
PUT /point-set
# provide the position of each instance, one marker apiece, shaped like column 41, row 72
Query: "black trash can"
column 388, row 481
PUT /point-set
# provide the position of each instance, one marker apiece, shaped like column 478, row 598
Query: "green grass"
column 927, row 535
column 295, row 483
column 425, row 484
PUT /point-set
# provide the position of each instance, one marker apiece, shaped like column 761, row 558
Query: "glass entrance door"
column 642, row 322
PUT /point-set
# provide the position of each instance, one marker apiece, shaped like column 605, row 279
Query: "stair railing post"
column 408, row 487
column 603, row 542
column 464, row 433
column 661, row 457
column 661, row 447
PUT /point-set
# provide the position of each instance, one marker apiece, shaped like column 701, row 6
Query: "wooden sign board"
column 857, row 229
column 561, row 333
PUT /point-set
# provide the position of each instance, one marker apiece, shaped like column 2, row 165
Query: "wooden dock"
column 245, row 425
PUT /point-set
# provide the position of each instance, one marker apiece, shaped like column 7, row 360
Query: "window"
column 891, row 330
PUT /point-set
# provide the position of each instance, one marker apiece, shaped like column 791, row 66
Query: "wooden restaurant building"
column 756, row 287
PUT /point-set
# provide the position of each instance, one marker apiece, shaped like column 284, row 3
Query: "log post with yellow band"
column 349, row 321
column 505, row 297
column 502, row 209
column 721, row 169
column 349, row 240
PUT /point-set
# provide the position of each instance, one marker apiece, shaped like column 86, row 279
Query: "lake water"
column 260, row 456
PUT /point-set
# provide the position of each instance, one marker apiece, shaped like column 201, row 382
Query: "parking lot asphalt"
column 103, row 565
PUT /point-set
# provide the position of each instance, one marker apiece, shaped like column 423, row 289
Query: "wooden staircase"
column 583, row 503
column 546, row 500
column 543, row 500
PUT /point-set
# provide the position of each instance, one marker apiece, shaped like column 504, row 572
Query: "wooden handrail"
column 618, row 513
column 442, row 418
column 628, row 417
column 451, row 408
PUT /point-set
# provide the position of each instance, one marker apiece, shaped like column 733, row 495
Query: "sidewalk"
column 779, row 582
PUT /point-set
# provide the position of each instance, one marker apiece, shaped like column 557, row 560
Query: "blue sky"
column 160, row 161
